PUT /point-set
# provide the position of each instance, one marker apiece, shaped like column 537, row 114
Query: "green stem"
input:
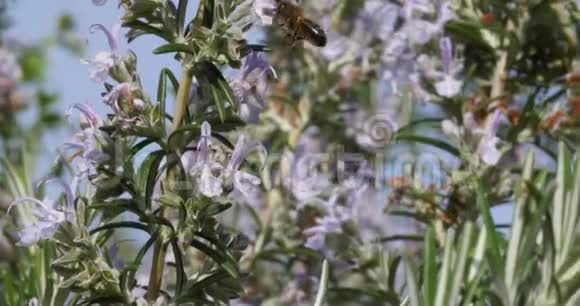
column 182, row 97
column 157, row 267
column 160, row 248
column 499, row 76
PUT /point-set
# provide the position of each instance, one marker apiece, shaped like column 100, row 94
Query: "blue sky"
column 33, row 20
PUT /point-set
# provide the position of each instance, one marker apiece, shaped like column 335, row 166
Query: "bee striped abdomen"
column 313, row 33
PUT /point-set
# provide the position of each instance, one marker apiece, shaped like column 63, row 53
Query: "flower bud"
column 131, row 62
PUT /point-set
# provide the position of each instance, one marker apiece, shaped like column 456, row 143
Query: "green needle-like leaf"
column 429, row 269
column 181, row 11
column 414, row 293
column 174, row 47
column 323, row 287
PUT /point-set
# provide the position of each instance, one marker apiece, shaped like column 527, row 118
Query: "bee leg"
column 292, row 37
column 297, row 37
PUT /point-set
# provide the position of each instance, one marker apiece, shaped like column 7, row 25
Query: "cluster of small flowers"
column 393, row 40
column 398, row 35
column 354, row 202
column 205, row 166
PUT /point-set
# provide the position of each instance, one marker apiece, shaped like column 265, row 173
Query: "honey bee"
column 292, row 17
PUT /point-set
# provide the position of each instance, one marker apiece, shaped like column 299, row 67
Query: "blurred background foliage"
column 27, row 113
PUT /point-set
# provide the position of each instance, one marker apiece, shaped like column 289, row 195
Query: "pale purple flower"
column 104, row 60
column 378, row 18
column 140, row 289
column 47, row 219
column 331, row 223
column 306, row 181
column 212, row 176
column 116, row 94
column 360, row 203
column 400, row 69
column 252, row 84
column 88, row 116
column 210, row 185
column 300, row 291
column 449, row 86
column 33, row 302
column 316, row 240
column 445, row 13
column 336, row 47
column 354, row 201
column 395, row 48
column 419, row 30
column 368, row 210
column 414, row 8
column 352, row 55
column 86, row 145
column 444, row 74
column 310, row 189
column 317, row 235
column 204, row 167
column 488, row 148
column 246, row 183
column 300, row 172
column 402, row 53
column 488, row 144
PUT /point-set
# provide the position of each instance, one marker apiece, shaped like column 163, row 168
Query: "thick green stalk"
column 182, row 97
column 157, row 267
column 160, row 248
